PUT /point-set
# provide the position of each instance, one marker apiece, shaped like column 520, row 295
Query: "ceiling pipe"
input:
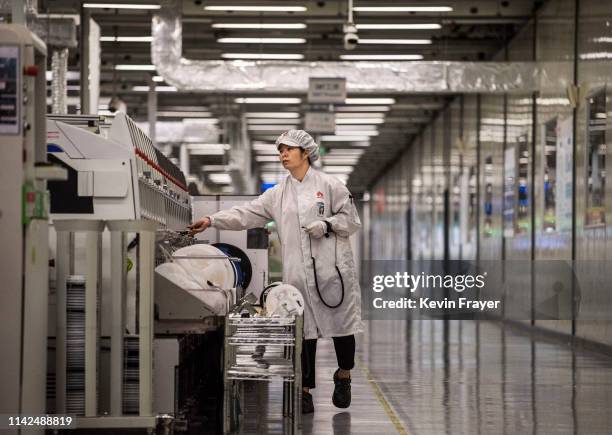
column 362, row 76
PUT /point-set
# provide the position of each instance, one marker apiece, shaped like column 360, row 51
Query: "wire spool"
column 284, row 300
column 244, row 270
column 220, row 272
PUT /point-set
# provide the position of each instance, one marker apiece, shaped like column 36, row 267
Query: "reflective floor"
column 456, row 377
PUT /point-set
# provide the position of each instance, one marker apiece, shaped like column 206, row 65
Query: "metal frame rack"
column 262, row 349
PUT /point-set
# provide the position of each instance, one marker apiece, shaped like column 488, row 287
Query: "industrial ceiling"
column 309, row 31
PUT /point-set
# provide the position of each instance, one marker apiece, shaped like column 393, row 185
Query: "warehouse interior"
column 468, row 132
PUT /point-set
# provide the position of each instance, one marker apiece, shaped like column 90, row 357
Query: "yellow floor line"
column 401, row 430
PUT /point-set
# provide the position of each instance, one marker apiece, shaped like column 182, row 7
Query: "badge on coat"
column 320, row 209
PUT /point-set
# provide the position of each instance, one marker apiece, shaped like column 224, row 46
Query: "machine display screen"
column 9, row 89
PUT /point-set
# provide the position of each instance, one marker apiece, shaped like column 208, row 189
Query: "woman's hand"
column 316, row 229
column 199, row 226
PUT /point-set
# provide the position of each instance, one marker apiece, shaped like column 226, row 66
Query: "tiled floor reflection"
column 458, row 377
column 464, row 377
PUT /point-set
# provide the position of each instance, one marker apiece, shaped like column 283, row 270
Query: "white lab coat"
column 293, row 205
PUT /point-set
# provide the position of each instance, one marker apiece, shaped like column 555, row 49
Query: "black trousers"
column 345, row 354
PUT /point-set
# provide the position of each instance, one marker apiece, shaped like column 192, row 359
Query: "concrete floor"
column 459, row 377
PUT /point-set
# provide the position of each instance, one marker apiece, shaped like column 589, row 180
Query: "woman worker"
column 315, row 215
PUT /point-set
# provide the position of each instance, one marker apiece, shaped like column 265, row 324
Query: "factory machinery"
column 123, row 202
column 118, row 322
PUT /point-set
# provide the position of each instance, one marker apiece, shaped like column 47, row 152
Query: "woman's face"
column 292, row 157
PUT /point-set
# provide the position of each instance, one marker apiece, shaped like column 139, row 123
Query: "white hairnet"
column 301, row 139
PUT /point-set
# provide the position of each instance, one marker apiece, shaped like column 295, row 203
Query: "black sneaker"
column 342, row 392
column 307, row 405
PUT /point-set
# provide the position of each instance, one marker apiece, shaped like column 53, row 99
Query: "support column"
column 152, row 109
column 117, row 321
column 145, row 334
column 62, row 270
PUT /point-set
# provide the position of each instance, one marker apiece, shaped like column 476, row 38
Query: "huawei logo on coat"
column 319, row 194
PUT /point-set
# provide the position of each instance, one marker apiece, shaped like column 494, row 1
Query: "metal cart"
column 262, row 349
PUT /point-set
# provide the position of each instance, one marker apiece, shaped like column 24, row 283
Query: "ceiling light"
column 220, row 178
column 360, row 115
column 381, row 56
column 261, row 158
column 403, row 9
column 356, row 132
column 208, row 149
column 340, row 161
column 126, row 38
column 259, row 26
column 363, row 109
column 360, row 121
column 262, row 121
column 271, row 127
column 257, row 56
column 405, row 26
column 395, row 41
column 369, row 101
column 263, row 100
column 237, row 8
column 356, row 127
column 177, row 114
column 265, row 150
column 119, row 6
column 272, row 115
column 158, row 79
column 344, row 152
column 338, row 169
column 334, row 138
column 130, row 67
column 157, row 88
column 261, row 40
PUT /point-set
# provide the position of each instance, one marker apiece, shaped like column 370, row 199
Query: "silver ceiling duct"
column 362, row 77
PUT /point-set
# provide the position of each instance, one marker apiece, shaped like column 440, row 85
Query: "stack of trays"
column 75, row 345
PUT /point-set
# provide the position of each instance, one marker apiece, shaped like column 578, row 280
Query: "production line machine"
column 135, row 343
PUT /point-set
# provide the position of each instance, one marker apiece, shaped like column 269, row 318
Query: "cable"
column 314, row 268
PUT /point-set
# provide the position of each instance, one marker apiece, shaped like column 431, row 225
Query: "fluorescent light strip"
column 260, row 158
column 257, row 56
column 356, row 133
column 344, row 152
column 261, row 121
column 238, row 8
column 272, row 115
column 356, row 127
column 271, row 127
column 371, row 114
column 158, row 79
column 369, row 101
column 119, row 6
column 157, row 88
column 360, row 121
column 395, row 41
column 258, row 100
column 261, row 40
column 334, row 138
column 259, row 26
column 129, row 67
column 220, row 178
column 363, row 109
column 381, row 56
column 403, row 9
column 126, row 39
column 406, row 26
column 177, row 114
